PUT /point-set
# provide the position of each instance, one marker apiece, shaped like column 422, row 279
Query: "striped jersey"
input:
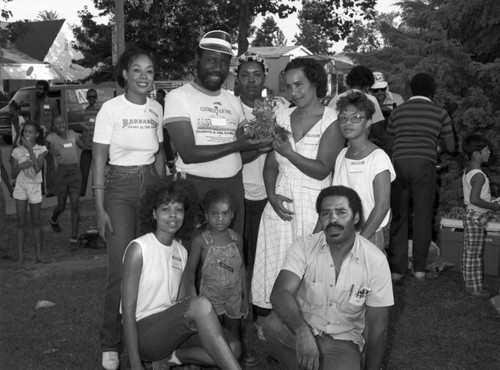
column 415, row 127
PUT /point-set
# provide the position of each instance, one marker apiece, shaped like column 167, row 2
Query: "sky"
column 26, row 9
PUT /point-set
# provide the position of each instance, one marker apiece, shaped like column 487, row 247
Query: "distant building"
column 44, row 51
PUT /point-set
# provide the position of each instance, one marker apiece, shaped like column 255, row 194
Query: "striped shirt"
column 415, row 127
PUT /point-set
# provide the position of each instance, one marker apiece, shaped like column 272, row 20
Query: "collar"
column 354, row 252
column 420, row 97
column 203, row 90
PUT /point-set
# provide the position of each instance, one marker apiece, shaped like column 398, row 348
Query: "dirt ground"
column 56, row 248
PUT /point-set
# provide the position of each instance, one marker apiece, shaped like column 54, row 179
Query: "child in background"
column 477, row 197
column 65, row 146
column 17, row 122
column 26, row 163
column 220, row 251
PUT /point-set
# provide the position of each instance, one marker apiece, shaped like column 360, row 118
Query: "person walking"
column 89, row 115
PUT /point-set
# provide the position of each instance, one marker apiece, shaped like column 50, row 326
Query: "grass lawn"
column 434, row 324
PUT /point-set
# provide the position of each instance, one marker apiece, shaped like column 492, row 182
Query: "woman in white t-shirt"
column 363, row 166
column 128, row 129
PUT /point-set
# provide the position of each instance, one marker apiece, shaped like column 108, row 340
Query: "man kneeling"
column 333, row 292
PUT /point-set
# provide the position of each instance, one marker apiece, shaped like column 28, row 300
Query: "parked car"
column 71, row 101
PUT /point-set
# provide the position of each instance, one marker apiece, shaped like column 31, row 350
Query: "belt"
column 132, row 169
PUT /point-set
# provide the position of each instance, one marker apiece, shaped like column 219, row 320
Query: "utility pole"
column 118, row 36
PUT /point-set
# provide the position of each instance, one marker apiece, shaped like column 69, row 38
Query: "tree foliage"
column 5, row 14
column 323, row 22
column 48, row 15
column 269, row 34
column 427, row 40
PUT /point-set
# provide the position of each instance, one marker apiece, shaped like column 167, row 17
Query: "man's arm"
column 287, row 309
column 181, row 134
column 376, row 326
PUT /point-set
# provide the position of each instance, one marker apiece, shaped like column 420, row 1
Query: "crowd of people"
column 206, row 224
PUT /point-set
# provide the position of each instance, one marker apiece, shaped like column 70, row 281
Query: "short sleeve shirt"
column 133, row 132
column 28, row 175
column 330, row 306
column 89, row 116
column 214, row 118
column 358, row 174
column 66, row 151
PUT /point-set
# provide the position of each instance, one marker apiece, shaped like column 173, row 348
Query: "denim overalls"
column 220, row 276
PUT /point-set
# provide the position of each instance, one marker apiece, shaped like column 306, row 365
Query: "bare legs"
column 35, row 211
column 216, row 350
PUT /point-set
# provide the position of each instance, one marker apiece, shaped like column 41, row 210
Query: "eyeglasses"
column 353, row 118
column 383, row 89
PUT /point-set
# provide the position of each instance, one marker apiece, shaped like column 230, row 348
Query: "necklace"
column 361, row 150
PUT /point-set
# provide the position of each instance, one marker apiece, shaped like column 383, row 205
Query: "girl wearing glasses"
column 363, row 166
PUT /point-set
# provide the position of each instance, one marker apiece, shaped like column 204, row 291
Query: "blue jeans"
column 334, row 354
column 416, row 179
column 124, row 188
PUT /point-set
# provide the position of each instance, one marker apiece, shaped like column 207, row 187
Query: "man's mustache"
column 330, row 225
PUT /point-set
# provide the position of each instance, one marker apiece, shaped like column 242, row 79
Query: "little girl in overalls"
column 220, row 250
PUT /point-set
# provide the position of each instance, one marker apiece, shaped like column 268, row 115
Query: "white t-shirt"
column 133, row 132
column 161, row 274
column 253, row 178
column 359, row 175
column 467, row 188
column 28, row 175
column 377, row 116
column 214, row 118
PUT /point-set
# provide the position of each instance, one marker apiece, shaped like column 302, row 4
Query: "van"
column 71, row 101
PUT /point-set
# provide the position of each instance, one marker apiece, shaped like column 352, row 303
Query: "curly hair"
column 352, row 197
column 314, row 72
column 359, row 100
column 360, row 76
column 125, row 61
column 165, row 191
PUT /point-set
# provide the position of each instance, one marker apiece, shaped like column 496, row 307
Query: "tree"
column 322, row 22
column 5, row 14
column 48, row 15
column 269, row 34
column 428, row 39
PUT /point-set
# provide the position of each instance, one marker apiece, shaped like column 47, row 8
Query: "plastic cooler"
column 451, row 242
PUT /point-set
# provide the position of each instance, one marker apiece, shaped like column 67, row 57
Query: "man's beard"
column 206, row 81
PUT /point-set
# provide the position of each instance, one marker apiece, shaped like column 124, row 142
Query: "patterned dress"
column 276, row 235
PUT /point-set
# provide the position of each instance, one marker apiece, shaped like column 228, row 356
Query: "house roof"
column 11, row 55
column 27, row 71
column 38, row 38
column 278, row 51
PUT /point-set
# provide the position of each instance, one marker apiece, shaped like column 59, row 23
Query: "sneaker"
column 396, row 277
column 419, row 275
column 73, row 242
column 110, row 360
column 55, row 226
column 480, row 293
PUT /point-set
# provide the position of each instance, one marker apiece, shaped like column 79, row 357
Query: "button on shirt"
column 330, row 306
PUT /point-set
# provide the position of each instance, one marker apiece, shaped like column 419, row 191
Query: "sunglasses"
column 383, row 89
column 353, row 118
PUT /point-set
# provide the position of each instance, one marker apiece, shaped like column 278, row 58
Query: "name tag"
column 46, row 106
column 68, row 145
column 218, row 121
column 91, row 119
column 176, row 263
column 227, row 267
